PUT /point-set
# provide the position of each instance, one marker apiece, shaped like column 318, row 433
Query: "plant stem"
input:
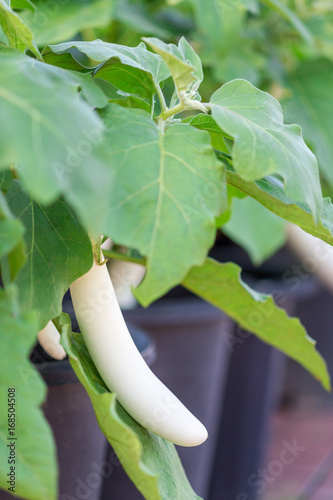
column 224, row 155
column 152, row 104
column 14, row 172
column 160, row 96
column 112, row 254
column 168, row 113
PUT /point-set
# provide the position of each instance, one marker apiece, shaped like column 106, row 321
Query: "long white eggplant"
column 316, row 255
column 49, row 339
column 122, row 367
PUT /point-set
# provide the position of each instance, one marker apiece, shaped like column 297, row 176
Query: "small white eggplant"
column 124, row 275
column 121, row 365
column 49, row 339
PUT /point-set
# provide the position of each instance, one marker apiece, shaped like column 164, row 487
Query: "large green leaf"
column 58, row 252
column 263, row 144
column 11, row 229
column 64, row 19
column 309, row 101
column 269, row 192
column 35, row 464
column 151, row 462
column 131, row 69
column 260, row 232
column 17, row 33
column 184, row 64
column 53, row 134
column 173, row 184
column 221, row 285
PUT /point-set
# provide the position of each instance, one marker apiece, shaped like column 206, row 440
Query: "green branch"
column 112, row 254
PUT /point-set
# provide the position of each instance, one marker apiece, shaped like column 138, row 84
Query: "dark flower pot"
column 192, row 360
column 301, row 389
column 79, row 440
column 254, row 385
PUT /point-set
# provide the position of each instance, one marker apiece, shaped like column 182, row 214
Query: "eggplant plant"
column 93, row 147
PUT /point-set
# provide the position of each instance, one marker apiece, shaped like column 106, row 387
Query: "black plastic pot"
column 79, row 440
column 253, row 388
column 301, row 389
column 192, row 360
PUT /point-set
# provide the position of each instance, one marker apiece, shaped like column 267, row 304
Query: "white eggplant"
column 122, row 367
column 49, row 339
column 124, row 276
column 316, row 255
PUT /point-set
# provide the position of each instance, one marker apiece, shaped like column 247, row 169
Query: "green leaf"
column 184, row 64
column 58, row 252
column 64, row 60
column 269, row 192
column 221, row 285
column 172, row 226
column 131, row 69
column 151, row 462
column 263, row 144
column 22, row 4
column 132, row 102
column 6, row 179
column 260, row 232
column 93, row 94
column 18, row 34
column 308, row 101
column 36, row 463
column 51, row 133
column 11, row 229
column 292, row 18
column 12, row 246
column 63, row 20
column 207, row 122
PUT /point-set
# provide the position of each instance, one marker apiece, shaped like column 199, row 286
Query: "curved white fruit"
column 49, row 339
column 316, row 255
column 122, row 367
